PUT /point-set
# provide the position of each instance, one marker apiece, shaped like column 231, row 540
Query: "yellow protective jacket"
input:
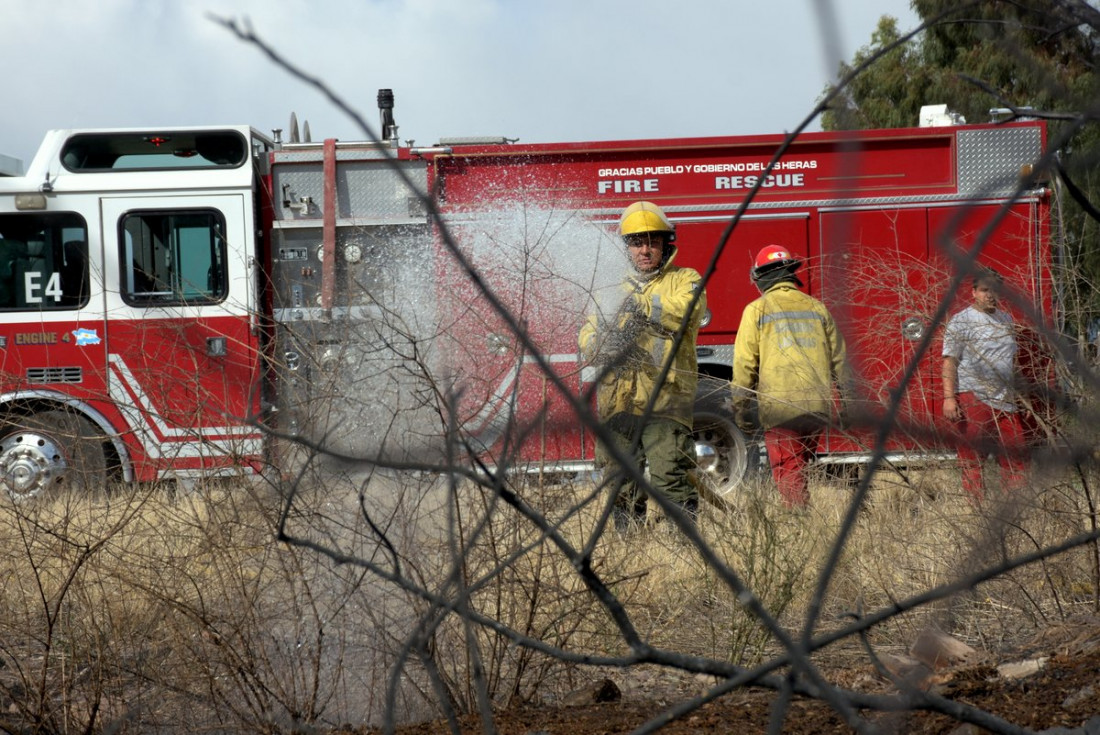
column 661, row 304
column 791, row 354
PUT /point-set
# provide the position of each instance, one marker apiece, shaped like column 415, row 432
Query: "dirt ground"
column 1064, row 693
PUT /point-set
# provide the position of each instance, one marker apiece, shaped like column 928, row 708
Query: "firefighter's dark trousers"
column 668, row 449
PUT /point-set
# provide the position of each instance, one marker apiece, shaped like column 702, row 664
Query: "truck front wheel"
column 48, row 451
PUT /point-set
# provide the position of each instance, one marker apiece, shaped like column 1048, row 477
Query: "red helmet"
column 774, row 257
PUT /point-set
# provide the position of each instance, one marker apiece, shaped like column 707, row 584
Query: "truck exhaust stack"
column 388, row 129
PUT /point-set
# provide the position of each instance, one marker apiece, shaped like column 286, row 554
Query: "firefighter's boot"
column 690, row 508
column 628, row 518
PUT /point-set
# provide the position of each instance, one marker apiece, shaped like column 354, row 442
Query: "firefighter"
column 788, row 361
column 650, row 420
column 979, row 378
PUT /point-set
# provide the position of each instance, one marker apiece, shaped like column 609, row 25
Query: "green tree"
column 973, row 57
column 1036, row 57
column 886, row 95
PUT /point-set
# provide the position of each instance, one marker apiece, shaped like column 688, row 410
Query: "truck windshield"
column 43, row 261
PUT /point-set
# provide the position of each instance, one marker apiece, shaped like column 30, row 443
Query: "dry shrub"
column 151, row 611
column 496, row 564
column 147, row 610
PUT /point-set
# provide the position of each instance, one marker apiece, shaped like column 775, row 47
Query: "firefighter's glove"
column 745, row 418
column 847, row 411
column 843, row 416
column 619, row 342
column 634, row 304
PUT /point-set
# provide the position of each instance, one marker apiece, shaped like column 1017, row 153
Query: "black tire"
column 50, row 451
column 725, row 456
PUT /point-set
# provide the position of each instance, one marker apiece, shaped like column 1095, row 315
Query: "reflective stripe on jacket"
column 662, row 303
column 790, row 352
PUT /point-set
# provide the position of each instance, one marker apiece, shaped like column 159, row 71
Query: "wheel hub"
column 29, row 463
column 710, row 457
column 721, row 453
column 706, row 456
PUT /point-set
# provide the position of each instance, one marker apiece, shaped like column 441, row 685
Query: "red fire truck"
column 172, row 299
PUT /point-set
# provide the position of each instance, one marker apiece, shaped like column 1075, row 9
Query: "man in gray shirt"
column 979, row 378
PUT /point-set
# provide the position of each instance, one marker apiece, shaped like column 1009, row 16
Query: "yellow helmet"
column 642, row 217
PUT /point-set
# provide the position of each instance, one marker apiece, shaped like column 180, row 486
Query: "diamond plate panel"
column 370, row 189
column 990, row 160
column 365, row 189
column 299, row 182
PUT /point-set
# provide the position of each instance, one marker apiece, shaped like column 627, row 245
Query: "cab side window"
column 176, row 257
column 43, row 261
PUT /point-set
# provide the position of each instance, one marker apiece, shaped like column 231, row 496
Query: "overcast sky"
column 537, row 70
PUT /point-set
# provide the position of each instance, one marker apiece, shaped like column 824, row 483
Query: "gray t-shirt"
column 985, row 346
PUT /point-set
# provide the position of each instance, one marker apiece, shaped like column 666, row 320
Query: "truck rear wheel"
column 49, row 451
column 724, row 455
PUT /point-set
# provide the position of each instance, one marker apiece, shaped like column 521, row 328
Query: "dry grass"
column 149, row 610
column 917, row 531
